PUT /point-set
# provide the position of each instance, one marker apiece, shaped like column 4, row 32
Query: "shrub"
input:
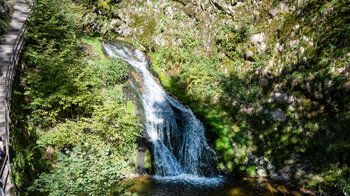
column 87, row 170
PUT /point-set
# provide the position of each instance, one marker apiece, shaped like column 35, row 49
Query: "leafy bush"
column 242, row 92
column 110, row 72
column 195, row 72
column 54, row 60
column 96, row 15
column 232, row 37
column 110, row 122
column 89, row 169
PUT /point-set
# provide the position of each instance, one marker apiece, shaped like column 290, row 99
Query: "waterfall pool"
column 218, row 186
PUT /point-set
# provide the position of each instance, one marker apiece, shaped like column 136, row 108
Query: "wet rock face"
column 131, row 92
column 132, row 87
column 141, row 151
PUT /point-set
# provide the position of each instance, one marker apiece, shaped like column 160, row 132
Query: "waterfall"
column 177, row 136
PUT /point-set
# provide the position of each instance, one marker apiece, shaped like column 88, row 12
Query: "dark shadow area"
column 231, row 186
column 318, row 138
column 28, row 160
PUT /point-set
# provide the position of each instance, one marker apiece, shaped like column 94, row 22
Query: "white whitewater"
column 180, row 148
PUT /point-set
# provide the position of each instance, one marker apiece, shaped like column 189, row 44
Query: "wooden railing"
column 17, row 47
column 4, row 183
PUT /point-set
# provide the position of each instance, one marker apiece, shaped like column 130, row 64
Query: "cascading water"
column 177, row 136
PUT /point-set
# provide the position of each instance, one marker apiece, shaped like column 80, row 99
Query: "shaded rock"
column 257, row 38
column 247, row 110
column 278, row 178
column 261, row 172
column 249, row 55
column 141, row 150
column 263, row 166
column 258, row 70
column 258, row 41
column 263, row 82
column 131, row 92
column 271, row 168
column 279, row 115
column 87, row 48
column 184, row 2
column 269, row 74
column 284, row 7
column 2, row 9
column 285, row 175
column 281, row 97
column 49, row 151
column 273, row 12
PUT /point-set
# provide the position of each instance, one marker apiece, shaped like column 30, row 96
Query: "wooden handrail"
column 3, row 165
column 17, row 47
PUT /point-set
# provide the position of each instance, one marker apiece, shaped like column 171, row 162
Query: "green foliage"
column 237, row 110
column 343, row 184
column 95, row 16
column 242, row 92
column 197, row 73
column 231, row 37
column 333, row 179
column 71, row 112
column 110, row 122
column 95, row 43
column 89, row 169
column 110, row 72
column 111, row 125
column 53, row 62
column 251, row 170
